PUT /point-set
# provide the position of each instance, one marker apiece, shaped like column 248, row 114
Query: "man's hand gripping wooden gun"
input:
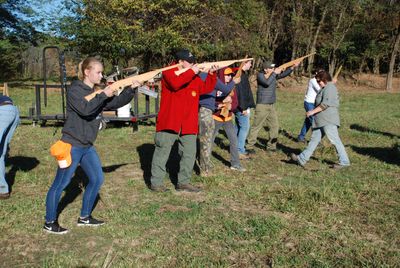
column 134, row 81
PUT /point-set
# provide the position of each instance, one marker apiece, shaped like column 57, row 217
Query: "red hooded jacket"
column 179, row 105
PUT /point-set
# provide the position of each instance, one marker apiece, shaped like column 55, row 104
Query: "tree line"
column 361, row 35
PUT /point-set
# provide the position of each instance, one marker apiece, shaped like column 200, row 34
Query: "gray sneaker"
column 238, row 168
column 338, row 166
column 296, row 159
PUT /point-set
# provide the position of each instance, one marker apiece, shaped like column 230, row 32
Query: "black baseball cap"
column 185, row 54
column 268, row 65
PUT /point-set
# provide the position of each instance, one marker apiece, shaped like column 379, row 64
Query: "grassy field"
column 274, row 215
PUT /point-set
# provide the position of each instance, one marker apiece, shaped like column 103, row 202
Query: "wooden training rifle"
column 119, row 85
column 205, row 66
column 295, row 61
column 290, row 64
column 335, row 77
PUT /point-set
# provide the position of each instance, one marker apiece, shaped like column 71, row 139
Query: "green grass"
column 276, row 214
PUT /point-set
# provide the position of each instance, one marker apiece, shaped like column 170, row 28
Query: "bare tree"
column 389, row 80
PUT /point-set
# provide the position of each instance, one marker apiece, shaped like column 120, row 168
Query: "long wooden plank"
column 119, row 85
column 205, row 66
column 335, row 77
column 295, row 61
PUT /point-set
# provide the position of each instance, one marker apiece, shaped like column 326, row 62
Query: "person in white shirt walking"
column 309, row 100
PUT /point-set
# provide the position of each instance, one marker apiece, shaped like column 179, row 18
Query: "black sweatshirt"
column 245, row 96
column 83, row 120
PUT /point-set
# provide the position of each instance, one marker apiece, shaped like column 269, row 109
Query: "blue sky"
column 47, row 11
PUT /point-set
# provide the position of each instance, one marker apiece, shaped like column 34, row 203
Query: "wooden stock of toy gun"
column 119, row 85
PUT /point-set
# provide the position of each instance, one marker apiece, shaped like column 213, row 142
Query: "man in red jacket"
column 178, row 120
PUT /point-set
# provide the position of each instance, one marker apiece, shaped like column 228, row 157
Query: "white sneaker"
column 238, row 168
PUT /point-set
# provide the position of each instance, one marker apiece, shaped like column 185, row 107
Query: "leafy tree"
column 15, row 35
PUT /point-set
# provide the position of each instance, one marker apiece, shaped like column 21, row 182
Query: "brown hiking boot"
column 187, row 188
column 159, row 188
column 5, row 196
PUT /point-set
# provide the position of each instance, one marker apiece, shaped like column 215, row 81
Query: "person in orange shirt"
column 230, row 102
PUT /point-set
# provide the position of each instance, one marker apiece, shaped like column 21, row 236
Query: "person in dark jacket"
column 242, row 112
column 265, row 108
column 80, row 132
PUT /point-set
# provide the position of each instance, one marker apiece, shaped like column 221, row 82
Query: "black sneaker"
column 89, row 221
column 54, row 228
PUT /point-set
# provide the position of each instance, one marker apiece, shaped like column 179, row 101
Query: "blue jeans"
column 9, row 119
column 242, row 130
column 307, row 121
column 331, row 131
column 90, row 162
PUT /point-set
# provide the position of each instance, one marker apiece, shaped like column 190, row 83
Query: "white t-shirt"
column 312, row 90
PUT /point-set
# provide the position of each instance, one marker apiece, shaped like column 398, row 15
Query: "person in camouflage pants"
column 206, row 123
column 206, row 130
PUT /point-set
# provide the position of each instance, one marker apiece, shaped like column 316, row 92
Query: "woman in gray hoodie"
column 80, row 131
column 326, row 122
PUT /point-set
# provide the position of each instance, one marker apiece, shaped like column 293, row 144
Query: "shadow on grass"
column 288, row 135
column 221, row 159
column 113, row 168
column 388, row 155
column 287, row 150
column 262, row 142
column 146, row 152
column 369, row 130
column 220, row 143
column 79, row 182
column 19, row 163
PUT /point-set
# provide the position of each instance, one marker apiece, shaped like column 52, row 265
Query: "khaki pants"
column 264, row 114
column 187, row 150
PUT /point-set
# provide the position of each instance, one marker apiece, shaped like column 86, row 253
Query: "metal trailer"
column 36, row 115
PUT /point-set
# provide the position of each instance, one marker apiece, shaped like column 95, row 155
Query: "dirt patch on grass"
column 172, row 208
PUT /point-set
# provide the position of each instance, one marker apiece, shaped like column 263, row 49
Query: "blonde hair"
column 86, row 64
